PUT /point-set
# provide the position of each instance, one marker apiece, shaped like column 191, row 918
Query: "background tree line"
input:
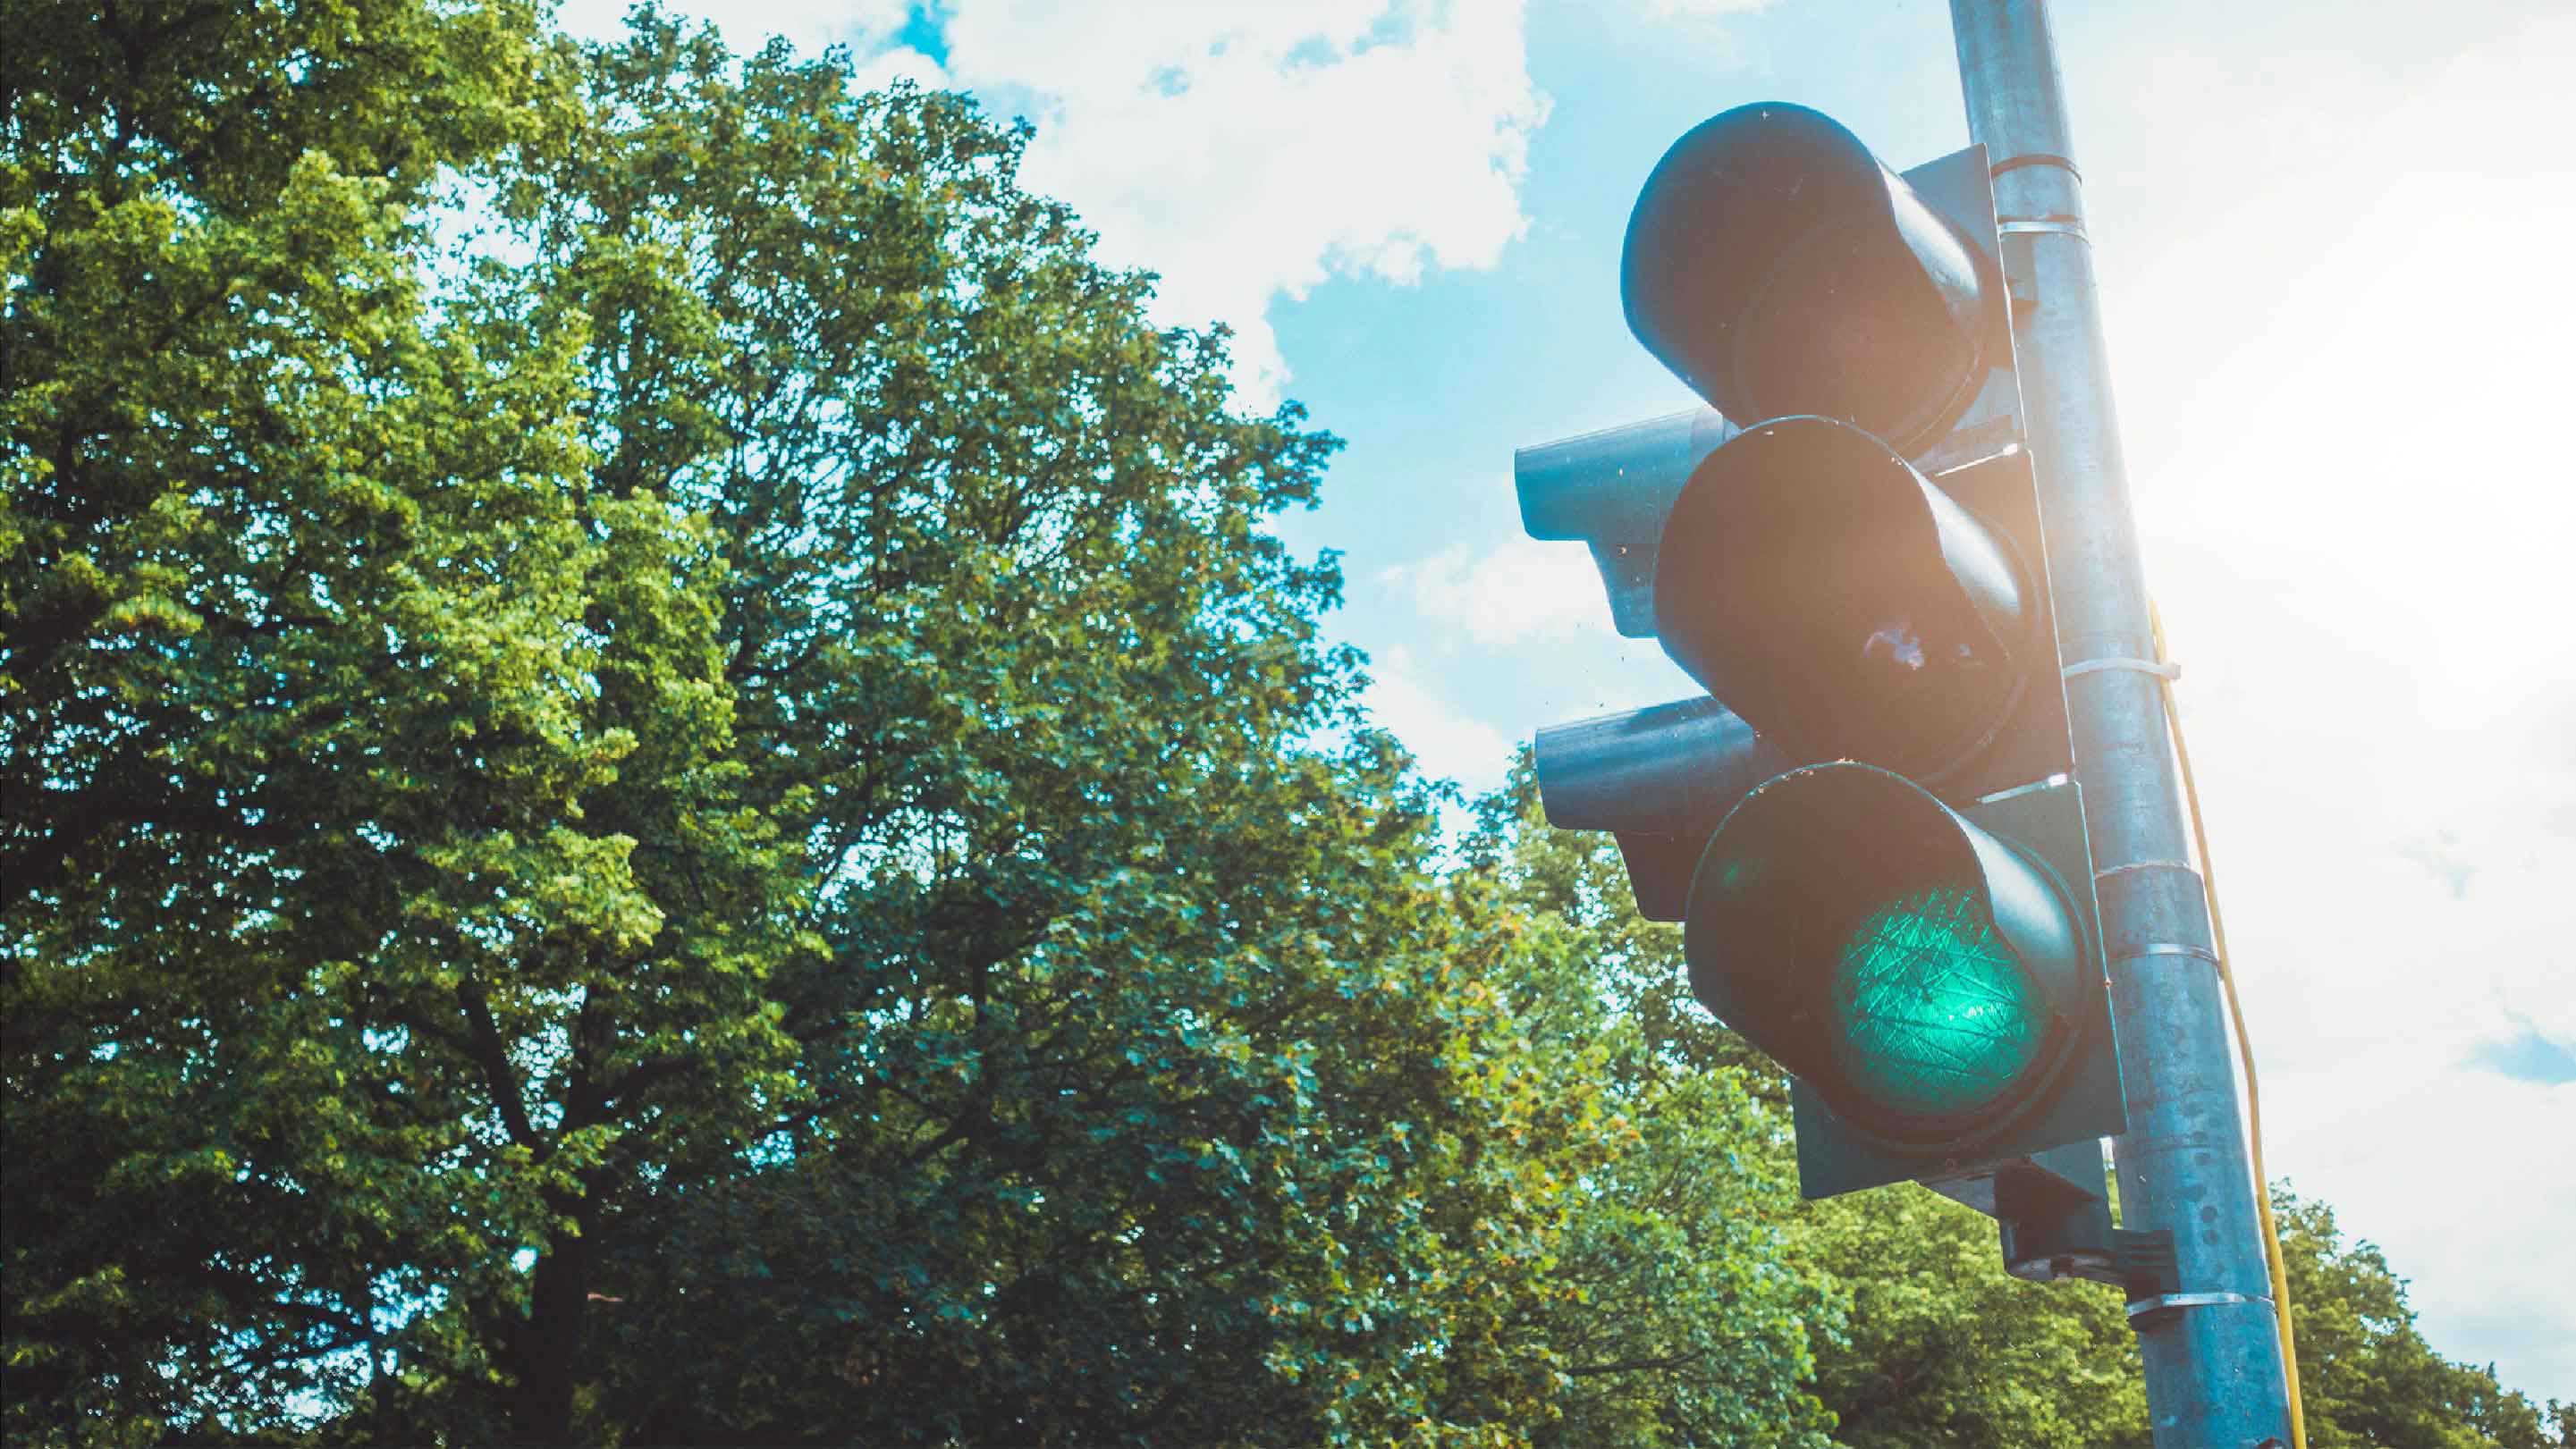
column 663, row 786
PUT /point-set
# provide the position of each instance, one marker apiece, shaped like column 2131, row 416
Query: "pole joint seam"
column 2048, row 225
column 2035, row 158
column 2177, row 865
column 2164, row 948
column 2160, row 668
column 2175, row 1301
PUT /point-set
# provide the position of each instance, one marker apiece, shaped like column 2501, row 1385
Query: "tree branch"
column 493, row 1056
column 1638, row 1365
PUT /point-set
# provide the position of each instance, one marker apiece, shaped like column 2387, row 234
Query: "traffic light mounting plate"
column 2053, row 1214
column 1979, row 461
column 2032, row 744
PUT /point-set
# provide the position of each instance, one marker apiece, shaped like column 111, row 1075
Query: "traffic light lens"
column 1936, row 1016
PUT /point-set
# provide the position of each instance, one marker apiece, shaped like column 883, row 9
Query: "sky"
column 2333, row 242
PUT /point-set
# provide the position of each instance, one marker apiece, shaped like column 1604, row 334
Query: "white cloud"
column 2392, row 846
column 2340, row 385
column 1523, row 591
column 1248, row 150
column 885, row 67
column 2456, row 1176
column 1446, row 741
column 809, row 25
column 1245, row 150
column 1696, row 9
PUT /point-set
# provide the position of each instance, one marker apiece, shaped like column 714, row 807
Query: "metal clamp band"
column 2163, row 1301
column 2160, row 668
column 2051, row 226
column 2035, row 158
column 2180, row 865
column 2165, row 948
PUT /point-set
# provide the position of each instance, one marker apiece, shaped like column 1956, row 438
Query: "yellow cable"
column 2244, row 1049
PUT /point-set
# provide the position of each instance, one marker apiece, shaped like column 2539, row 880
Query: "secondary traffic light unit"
column 1867, row 825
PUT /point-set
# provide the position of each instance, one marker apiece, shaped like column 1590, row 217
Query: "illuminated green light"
column 1935, row 1015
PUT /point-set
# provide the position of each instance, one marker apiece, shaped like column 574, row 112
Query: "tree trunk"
column 547, row 1353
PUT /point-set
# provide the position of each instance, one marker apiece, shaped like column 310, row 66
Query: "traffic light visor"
column 1916, row 971
column 1774, row 264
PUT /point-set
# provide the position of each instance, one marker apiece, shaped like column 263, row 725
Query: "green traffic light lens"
column 1934, row 1014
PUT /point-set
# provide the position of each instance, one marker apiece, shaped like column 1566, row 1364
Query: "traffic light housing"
column 1867, row 826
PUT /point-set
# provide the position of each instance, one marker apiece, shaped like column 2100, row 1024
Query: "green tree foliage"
column 317, row 849
column 707, row 816
column 1945, row 1348
column 1138, row 1057
column 1680, row 1314
column 664, row 786
column 2366, row 1375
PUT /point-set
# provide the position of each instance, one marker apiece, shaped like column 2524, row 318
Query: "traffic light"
column 1866, row 826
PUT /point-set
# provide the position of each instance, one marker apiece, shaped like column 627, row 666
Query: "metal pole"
column 2213, row 1357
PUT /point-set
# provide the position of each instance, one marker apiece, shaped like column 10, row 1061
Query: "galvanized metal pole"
column 2213, row 1358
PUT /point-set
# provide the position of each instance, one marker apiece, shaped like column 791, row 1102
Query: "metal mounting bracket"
column 2143, row 1264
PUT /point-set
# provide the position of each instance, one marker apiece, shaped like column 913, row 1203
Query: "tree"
column 1685, row 1319
column 1139, row 1057
column 2366, row 1375
column 1945, row 1348
column 702, row 821
column 309, row 733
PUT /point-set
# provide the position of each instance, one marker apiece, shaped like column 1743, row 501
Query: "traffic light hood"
column 1774, row 264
